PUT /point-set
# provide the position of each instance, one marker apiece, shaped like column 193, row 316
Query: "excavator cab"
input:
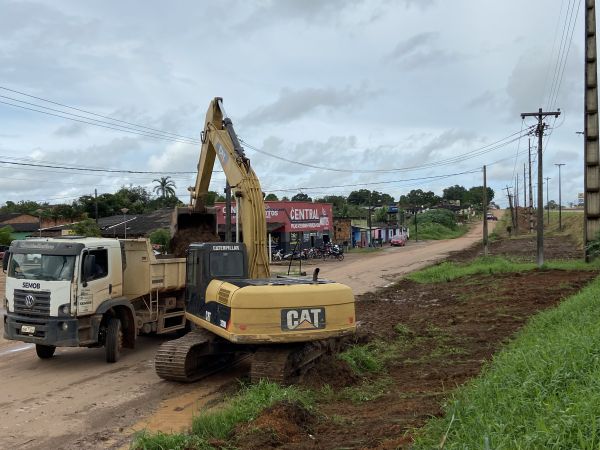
column 207, row 261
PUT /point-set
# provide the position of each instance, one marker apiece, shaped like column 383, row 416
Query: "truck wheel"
column 114, row 340
column 44, row 351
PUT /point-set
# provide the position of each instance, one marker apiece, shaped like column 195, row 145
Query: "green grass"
column 436, row 231
column 448, row 271
column 368, row 390
column 363, row 250
column 208, row 426
column 541, row 391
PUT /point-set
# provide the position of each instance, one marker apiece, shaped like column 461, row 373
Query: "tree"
column 165, row 187
column 381, row 214
column 454, row 193
column 6, row 235
column 271, row 198
column 87, row 228
column 417, row 197
column 551, row 204
column 365, row 197
column 301, row 197
column 161, row 237
column 475, row 197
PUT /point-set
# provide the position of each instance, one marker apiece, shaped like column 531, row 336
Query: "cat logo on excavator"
column 302, row 319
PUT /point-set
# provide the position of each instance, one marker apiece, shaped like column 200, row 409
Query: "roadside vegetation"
column 541, row 391
column 448, row 271
column 437, row 224
column 210, row 429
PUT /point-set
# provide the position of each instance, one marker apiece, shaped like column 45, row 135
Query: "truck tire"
column 45, row 351
column 114, row 340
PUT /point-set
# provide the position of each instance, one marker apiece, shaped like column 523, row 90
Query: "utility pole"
column 530, row 192
column 548, row 198
column 559, row 197
column 540, row 188
column 485, row 208
column 591, row 170
column 524, row 188
column 510, row 205
column 96, row 203
column 516, row 205
column 228, row 230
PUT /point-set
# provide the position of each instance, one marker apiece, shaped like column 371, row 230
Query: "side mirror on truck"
column 5, row 259
column 89, row 264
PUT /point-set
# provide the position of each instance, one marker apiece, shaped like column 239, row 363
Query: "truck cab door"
column 94, row 280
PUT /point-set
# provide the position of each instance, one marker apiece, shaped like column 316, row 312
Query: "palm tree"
column 165, row 187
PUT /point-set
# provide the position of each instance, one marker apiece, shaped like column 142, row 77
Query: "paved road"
column 76, row 400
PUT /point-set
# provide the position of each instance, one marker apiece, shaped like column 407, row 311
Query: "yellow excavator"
column 236, row 308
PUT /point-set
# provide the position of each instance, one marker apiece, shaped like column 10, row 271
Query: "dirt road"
column 76, row 400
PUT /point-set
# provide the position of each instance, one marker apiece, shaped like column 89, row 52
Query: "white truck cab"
column 69, row 292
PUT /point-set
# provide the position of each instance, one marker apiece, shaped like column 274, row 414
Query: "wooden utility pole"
column 559, row 165
column 485, row 208
column 510, row 205
column 548, row 197
column 517, row 205
column 540, row 188
column 228, row 237
column 591, row 172
column 524, row 188
column 530, row 192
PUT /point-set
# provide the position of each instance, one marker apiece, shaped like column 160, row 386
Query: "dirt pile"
column 183, row 238
column 282, row 423
column 330, row 371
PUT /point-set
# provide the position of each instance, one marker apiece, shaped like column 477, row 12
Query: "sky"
column 388, row 95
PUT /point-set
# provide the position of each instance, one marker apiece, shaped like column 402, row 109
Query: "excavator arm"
column 219, row 140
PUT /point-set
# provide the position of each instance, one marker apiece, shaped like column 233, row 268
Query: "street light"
column 125, row 211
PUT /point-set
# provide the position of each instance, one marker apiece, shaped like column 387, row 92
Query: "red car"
column 398, row 241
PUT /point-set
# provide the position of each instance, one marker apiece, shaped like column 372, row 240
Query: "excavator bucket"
column 193, row 227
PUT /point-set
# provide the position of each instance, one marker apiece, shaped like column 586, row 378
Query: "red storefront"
column 311, row 224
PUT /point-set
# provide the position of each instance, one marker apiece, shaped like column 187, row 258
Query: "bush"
column 161, row 237
column 6, row 235
column 443, row 217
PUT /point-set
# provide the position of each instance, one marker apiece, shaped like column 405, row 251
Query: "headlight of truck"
column 64, row 310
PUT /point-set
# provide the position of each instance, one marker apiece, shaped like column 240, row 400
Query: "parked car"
column 398, row 241
column 490, row 216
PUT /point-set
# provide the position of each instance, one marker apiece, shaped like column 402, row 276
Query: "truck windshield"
column 37, row 266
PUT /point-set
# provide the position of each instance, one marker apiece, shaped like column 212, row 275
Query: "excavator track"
column 192, row 357
column 285, row 364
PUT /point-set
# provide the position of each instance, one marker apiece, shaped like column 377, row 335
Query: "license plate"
column 27, row 329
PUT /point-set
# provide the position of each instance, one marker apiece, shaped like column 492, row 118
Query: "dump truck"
column 90, row 292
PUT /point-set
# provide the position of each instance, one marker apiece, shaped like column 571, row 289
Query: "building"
column 23, row 225
column 305, row 224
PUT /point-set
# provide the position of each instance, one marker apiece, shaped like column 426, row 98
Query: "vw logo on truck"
column 29, row 300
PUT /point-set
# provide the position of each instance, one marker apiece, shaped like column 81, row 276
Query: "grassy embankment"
column 541, row 391
column 436, row 224
column 572, row 226
column 211, row 429
column 544, row 388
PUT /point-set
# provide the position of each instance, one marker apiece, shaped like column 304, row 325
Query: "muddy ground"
column 445, row 332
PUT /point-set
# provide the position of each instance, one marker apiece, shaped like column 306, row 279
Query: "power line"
column 97, row 115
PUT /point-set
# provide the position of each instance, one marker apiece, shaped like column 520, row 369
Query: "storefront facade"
column 304, row 224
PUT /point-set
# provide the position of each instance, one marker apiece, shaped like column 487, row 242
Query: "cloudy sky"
column 391, row 95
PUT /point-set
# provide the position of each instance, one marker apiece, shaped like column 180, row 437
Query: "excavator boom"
column 219, row 140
